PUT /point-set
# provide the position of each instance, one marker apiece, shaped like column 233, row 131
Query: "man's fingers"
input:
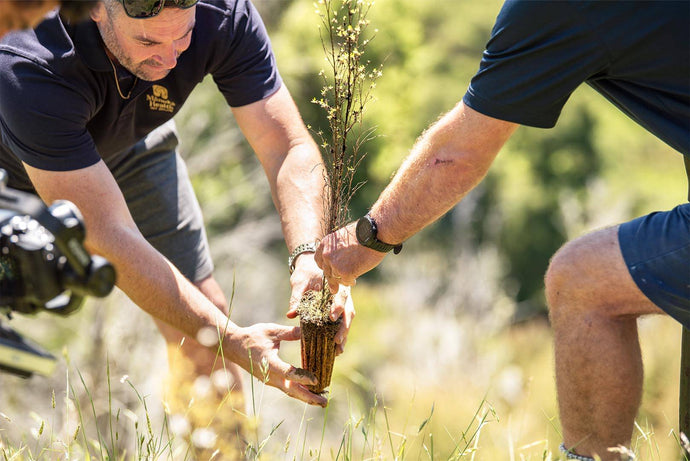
column 293, row 306
column 300, row 392
column 318, row 256
column 340, row 347
column 284, row 333
column 295, row 297
column 340, row 306
column 293, row 382
column 333, row 285
column 302, row 284
column 337, row 310
column 341, row 335
column 342, row 331
column 297, row 378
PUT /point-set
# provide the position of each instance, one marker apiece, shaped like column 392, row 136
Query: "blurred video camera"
column 43, row 267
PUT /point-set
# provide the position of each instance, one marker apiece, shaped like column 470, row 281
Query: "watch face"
column 365, row 231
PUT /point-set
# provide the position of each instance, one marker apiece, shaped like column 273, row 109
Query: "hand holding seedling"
column 343, row 259
column 308, row 277
column 261, row 343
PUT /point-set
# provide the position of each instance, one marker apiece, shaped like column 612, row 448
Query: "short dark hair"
column 76, row 10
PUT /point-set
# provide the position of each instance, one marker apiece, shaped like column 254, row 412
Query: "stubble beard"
column 137, row 69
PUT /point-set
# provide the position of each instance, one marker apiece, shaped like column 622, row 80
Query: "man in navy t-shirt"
column 85, row 116
column 637, row 55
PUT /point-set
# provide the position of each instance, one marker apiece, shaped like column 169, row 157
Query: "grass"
column 494, row 402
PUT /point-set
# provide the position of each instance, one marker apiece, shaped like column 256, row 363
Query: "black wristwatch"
column 366, row 236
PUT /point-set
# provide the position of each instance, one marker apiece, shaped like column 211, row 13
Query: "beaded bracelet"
column 303, row 248
column 570, row 455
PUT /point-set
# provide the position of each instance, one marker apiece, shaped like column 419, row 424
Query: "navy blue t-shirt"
column 60, row 108
column 635, row 53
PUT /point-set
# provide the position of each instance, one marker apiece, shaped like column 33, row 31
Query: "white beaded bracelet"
column 570, row 455
column 303, row 248
column 629, row 456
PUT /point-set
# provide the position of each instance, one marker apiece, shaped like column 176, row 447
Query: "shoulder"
column 41, row 70
column 230, row 31
column 48, row 50
column 527, row 70
column 232, row 35
column 520, row 23
column 225, row 13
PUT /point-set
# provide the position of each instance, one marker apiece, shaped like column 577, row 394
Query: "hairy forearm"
column 157, row 287
column 144, row 274
column 447, row 161
column 292, row 163
column 155, row 284
column 299, row 193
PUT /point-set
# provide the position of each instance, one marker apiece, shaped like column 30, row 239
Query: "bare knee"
column 588, row 278
column 576, row 280
column 558, row 282
column 557, row 273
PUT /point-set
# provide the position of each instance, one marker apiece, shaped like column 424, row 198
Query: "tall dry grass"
column 413, row 384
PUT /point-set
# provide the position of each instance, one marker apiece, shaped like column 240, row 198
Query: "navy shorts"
column 154, row 181
column 656, row 249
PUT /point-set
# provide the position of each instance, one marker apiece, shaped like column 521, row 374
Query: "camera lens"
column 70, row 216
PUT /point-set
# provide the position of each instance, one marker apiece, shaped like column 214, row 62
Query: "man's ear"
column 98, row 13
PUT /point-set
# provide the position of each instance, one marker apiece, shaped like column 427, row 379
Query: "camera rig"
column 43, row 267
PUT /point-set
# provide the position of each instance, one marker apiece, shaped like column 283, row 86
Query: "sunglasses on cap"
column 149, row 8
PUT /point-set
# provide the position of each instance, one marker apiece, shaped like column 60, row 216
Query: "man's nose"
column 168, row 57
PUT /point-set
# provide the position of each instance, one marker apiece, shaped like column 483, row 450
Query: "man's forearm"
column 292, row 163
column 299, row 195
column 447, row 161
column 161, row 290
column 158, row 287
column 142, row 272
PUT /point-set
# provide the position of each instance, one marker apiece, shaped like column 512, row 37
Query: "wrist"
column 368, row 235
column 304, row 248
column 233, row 344
column 385, row 230
column 304, row 260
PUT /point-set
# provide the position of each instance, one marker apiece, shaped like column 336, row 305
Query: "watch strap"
column 383, row 247
column 375, row 243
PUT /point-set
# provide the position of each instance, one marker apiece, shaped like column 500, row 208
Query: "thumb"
column 318, row 255
column 301, row 376
column 293, row 305
column 284, row 333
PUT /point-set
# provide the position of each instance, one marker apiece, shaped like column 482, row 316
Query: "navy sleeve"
column 42, row 118
column 246, row 70
column 538, row 53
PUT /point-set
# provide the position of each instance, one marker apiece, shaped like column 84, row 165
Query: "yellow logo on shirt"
column 159, row 101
